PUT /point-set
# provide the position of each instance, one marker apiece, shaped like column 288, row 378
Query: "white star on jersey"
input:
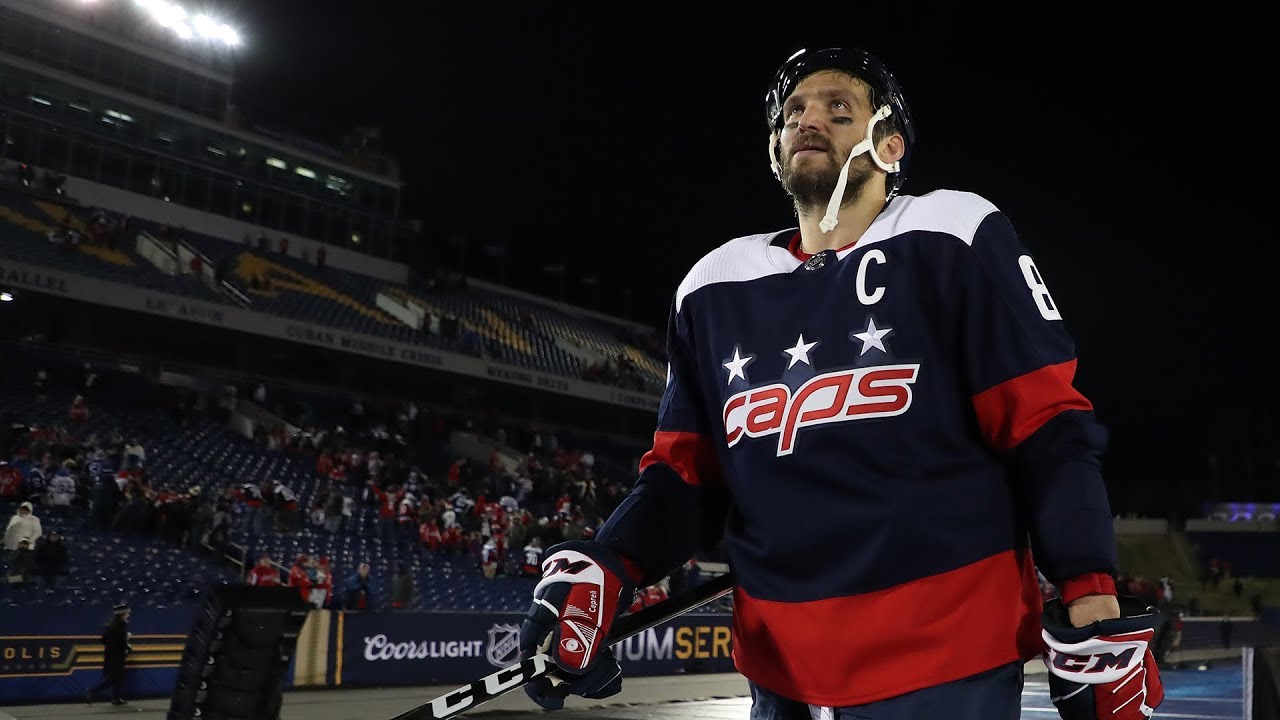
column 800, row 353
column 737, row 365
column 873, row 337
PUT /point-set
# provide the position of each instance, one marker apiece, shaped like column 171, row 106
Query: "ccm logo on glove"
column 1100, row 659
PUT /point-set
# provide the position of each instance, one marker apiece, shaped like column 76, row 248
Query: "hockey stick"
column 513, row 676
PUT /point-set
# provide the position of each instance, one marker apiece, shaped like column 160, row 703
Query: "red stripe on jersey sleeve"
column 1011, row 411
column 1087, row 584
column 689, row 454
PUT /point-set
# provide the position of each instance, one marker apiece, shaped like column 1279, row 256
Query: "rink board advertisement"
column 437, row 648
column 55, row 654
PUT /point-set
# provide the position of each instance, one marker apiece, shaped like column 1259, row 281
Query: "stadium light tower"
column 185, row 24
column 188, row 25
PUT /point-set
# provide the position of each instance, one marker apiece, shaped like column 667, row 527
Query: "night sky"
column 1135, row 155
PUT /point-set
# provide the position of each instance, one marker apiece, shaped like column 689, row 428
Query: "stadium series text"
column 701, row 642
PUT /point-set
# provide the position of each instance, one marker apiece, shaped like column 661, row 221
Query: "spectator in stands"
column 321, row 255
column 257, row 515
column 332, row 511
column 1215, row 573
column 286, row 506
column 388, row 506
column 264, row 574
column 488, row 557
column 429, row 535
column 357, row 591
column 134, row 511
column 532, row 566
column 106, row 496
column 319, row 579
column 401, row 588
column 202, row 512
column 22, row 564
column 11, row 483
column 62, row 487
column 175, row 510
column 134, row 456
column 24, row 525
column 79, row 411
column 407, row 521
column 52, row 560
column 452, row 541
column 324, row 581
column 300, row 576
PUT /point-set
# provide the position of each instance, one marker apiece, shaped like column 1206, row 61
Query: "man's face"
column 823, row 119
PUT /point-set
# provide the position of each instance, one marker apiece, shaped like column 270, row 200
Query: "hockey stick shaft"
column 511, row 677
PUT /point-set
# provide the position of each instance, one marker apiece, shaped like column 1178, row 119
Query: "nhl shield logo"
column 816, row 261
column 504, row 645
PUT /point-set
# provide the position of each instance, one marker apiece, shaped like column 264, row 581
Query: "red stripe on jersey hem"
column 1087, row 584
column 689, row 454
column 1013, row 410
column 798, row 252
column 859, row 649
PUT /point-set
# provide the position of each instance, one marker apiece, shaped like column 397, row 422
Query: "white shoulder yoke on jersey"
column 739, row 260
column 751, row 257
column 953, row 212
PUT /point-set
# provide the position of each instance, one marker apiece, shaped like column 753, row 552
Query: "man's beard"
column 811, row 186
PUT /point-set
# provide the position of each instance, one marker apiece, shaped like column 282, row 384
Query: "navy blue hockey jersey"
column 894, row 429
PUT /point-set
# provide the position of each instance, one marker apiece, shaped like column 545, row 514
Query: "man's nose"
column 809, row 119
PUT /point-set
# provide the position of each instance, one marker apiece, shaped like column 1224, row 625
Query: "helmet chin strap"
column 830, row 220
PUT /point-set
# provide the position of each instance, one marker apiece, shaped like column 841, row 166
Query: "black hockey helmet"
column 885, row 91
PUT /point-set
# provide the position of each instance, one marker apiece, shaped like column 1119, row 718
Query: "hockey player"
column 874, row 412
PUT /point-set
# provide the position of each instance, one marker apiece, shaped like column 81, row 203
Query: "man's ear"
column 892, row 149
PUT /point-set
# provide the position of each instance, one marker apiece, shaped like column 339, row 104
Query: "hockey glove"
column 1105, row 669
column 584, row 587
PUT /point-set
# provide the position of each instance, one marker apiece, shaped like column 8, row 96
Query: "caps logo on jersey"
column 839, row 396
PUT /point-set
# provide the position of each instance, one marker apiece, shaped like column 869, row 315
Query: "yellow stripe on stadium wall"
column 311, row 655
column 337, row 674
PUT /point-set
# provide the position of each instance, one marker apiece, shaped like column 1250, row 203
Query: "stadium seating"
column 201, row 451
column 1251, row 554
column 25, row 223
column 524, row 333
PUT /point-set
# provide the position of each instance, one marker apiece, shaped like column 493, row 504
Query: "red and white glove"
column 1105, row 670
column 585, row 586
